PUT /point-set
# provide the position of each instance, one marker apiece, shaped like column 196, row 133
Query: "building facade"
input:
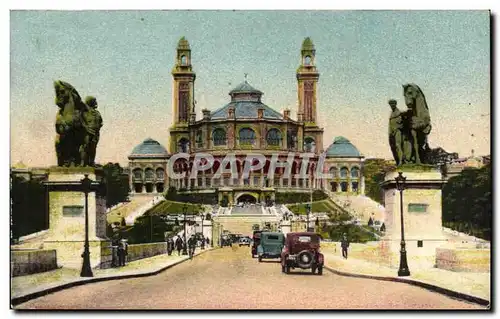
column 244, row 126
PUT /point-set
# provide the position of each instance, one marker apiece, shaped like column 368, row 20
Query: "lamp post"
column 308, row 210
column 184, row 249
column 86, row 269
column 403, row 262
column 202, row 215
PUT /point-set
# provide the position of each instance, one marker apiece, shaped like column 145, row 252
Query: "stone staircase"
column 242, row 224
column 359, row 206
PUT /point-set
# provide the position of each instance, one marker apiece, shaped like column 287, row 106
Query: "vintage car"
column 255, row 241
column 245, row 241
column 271, row 245
column 302, row 251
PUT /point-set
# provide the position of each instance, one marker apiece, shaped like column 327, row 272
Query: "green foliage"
column 149, row 229
column 291, row 197
column 355, row 234
column 194, row 197
column 374, row 171
column 117, row 184
column 467, row 202
column 170, row 207
column 29, row 212
column 323, row 206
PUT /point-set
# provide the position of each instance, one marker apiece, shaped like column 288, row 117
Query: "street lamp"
column 403, row 263
column 86, row 269
column 308, row 210
column 184, row 250
column 202, row 215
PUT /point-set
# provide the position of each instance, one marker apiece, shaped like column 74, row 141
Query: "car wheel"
column 260, row 258
column 320, row 270
column 313, row 270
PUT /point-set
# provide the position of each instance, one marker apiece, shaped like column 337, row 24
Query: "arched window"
column 219, row 137
column 149, row 173
column 309, row 145
column 183, row 60
column 247, row 136
column 138, row 173
column 184, row 145
column 199, row 138
column 344, row 172
column 307, row 60
column 355, row 187
column 160, row 173
column 355, row 172
column 333, row 171
column 334, row 186
column 273, row 137
column 343, row 187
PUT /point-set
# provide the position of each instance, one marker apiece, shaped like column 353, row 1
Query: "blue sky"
column 125, row 58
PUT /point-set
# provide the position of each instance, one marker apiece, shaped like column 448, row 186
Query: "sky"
column 125, row 58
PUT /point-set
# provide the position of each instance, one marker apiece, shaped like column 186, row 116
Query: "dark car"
column 255, row 241
column 271, row 245
column 302, row 251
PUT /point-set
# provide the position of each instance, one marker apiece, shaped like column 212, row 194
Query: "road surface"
column 229, row 278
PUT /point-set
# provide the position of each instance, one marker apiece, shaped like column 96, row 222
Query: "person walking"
column 192, row 246
column 344, row 243
column 178, row 244
column 170, row 246
column 122, row 252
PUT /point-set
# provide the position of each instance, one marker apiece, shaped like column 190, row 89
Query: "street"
column 229, row 278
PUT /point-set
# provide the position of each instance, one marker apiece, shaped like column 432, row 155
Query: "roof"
column 245, row 100
column 307, row 45
column 247, row 110
column 183, row 44
column 341, row 147
column 244, row 88
column 149, row 148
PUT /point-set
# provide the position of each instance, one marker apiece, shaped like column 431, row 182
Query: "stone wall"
column 25, row 262
column 463, row 260
column 140, row 251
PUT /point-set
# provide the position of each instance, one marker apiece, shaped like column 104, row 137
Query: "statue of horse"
column 69, row 125
column 419, row 123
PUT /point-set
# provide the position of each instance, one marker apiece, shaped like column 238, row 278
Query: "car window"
column 273, row 237
column 304, row 239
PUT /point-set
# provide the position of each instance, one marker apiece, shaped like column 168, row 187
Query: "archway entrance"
column 247, row 198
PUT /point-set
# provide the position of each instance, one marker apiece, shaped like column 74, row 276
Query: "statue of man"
column 395, row 132
column 93, row 123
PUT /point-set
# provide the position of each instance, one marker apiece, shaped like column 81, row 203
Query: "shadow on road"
column 270, row 262
column 302, row 274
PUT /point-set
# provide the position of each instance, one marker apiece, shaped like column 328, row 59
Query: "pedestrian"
column 344, row 243
column 192, row 246
column 122, row 252
column 178, row 244
column 208, row 241
column 170, row 246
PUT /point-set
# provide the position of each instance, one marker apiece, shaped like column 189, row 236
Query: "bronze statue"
column 69, row 124
column 92, row 122
column 409, row 145
column 395, row 132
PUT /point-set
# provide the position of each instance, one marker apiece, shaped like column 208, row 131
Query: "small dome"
column 341, row 147
column 244, row 88
column 149, row 148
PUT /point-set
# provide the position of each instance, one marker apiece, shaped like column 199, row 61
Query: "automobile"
column 245, row 241
column 255, row 241
column 225, row 241
column 271, row 245
column 302, row 250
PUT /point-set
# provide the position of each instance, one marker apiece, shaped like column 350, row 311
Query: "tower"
column 307, row 82
column 182, row 98
column 307, row 78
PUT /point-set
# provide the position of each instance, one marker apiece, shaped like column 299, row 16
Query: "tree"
column 467, row 202
column 374, row 172
column 117, row 184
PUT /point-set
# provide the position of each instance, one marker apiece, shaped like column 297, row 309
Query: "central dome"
column 342, row 147
column 246, row 101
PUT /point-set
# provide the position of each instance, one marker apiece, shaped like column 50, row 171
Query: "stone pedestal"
column 66, row 231
column 422, row 214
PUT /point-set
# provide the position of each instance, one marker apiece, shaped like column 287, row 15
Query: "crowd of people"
column 177, row 243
